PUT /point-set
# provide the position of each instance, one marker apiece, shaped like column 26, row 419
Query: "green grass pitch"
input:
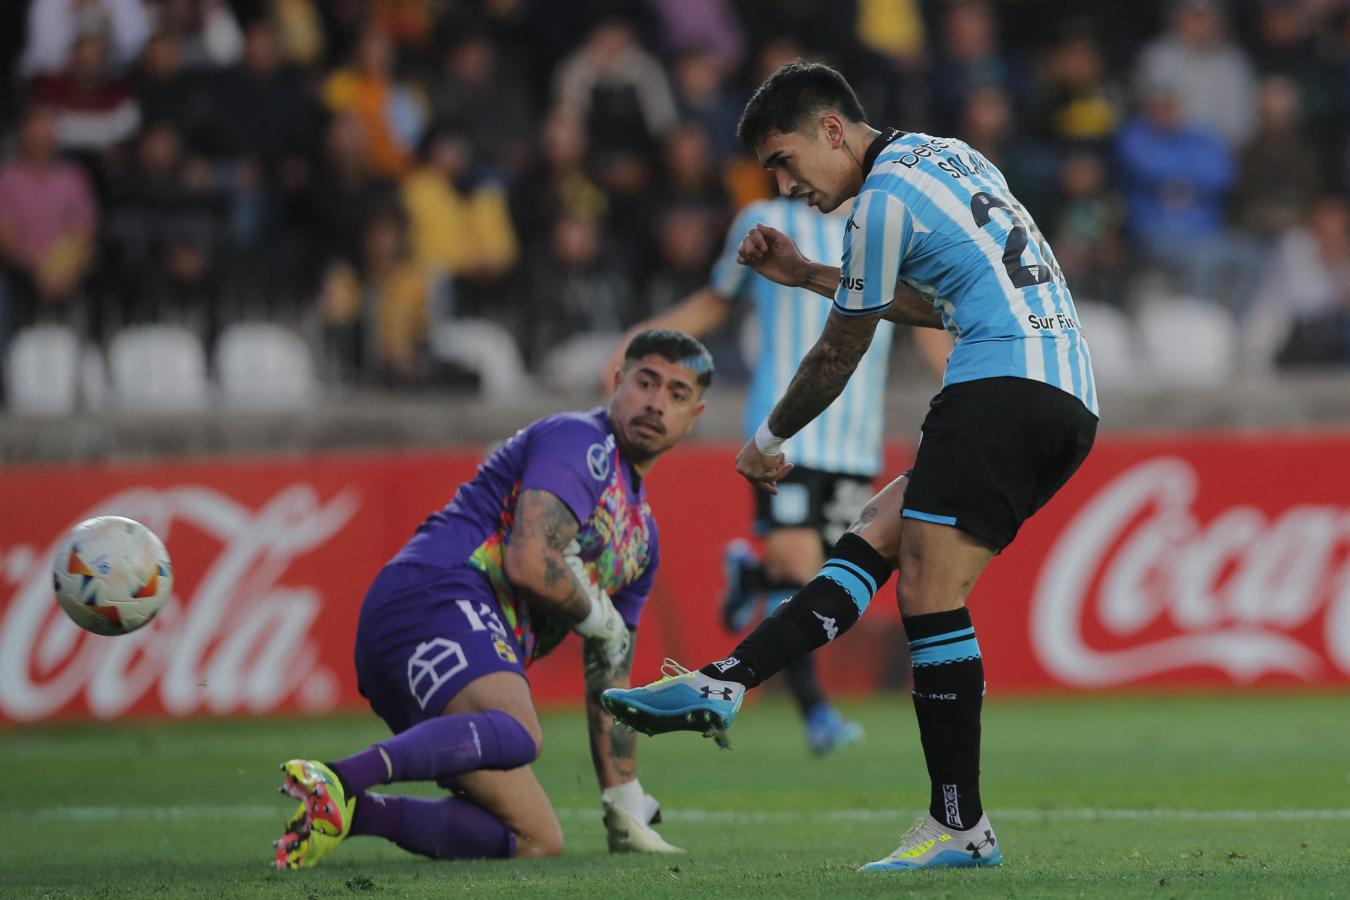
column 1235, row 796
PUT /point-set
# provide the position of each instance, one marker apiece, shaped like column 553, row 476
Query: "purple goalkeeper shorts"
column 424, row 634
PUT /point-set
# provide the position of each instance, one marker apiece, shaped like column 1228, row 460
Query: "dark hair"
column 788, row 97
column 677, row 347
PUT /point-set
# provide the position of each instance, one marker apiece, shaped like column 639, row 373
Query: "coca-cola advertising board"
column 1165, row 563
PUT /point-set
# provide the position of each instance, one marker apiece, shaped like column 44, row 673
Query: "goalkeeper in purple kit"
column 553, row 533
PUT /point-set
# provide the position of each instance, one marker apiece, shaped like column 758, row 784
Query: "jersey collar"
column 878, row 144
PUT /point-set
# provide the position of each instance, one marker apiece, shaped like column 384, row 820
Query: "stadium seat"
column 43, row 371
column 1110, row 335
column 486, row 349
column 264, row 366
column 158, row 368
column 1187, row 341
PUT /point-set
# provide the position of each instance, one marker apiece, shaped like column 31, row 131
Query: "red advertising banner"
column 1192, row 562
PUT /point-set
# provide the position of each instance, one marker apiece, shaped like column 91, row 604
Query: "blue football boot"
column 680, row 701
column 827, row 730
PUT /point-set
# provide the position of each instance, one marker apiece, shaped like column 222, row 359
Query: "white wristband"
column 768, row 442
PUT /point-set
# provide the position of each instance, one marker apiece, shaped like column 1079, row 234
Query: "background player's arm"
column 613, row 747
column 699, row 313
column 543, row 529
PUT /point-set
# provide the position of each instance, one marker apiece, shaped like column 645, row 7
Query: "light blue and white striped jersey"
column 846, row 437
column 935, row 214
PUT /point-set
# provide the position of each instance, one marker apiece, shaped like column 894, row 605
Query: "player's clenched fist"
column 763, row 470
column 773, row 254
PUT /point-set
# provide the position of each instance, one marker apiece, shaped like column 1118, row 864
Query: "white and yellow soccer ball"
column 111, row 575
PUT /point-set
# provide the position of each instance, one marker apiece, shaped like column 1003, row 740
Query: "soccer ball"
column 111, row 575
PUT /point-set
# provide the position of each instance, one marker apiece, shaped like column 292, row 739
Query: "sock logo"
column 929, row 695
column 831, row 630
column 477, row 744
column 951, row 809
column 722, row 693
column 729, row 663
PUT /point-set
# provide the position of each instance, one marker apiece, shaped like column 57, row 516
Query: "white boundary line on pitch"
column 241, row 813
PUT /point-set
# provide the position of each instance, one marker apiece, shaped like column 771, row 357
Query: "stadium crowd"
column 430, row 190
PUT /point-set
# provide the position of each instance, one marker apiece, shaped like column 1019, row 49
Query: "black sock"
column 828, row 606
column 948, row 696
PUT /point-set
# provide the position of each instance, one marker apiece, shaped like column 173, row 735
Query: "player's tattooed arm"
column 544, row 527
column 823, row 372
column 613, row 747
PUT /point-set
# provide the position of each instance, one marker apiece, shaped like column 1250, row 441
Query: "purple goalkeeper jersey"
column 573, row 456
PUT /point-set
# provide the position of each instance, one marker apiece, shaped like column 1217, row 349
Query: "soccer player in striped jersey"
column 934, row 237
column 836, row 457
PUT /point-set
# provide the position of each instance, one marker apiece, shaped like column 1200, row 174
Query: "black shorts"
column 828, row 502
column 994, row 451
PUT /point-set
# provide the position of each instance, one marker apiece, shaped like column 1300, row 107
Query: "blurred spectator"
column 1271, row 193
column 618, row 89
column 299, row 31
column 260, row 112
column 342, row 194
column 164, row 227
column 484, row 95
column 207, row 31
column 686, row 238
column 1286, row 45
column 1079, row 103
column 54, row 26
column 1210, row 74
column 892, row 29
column 390, row 113
column 1176, row 178
column 1086, row 231
column 988, row 125
column 702, row 97
column 47, row 222
column 558, row 183
column 374, row 313
column 691, row 177
column 579, row 302
column 1302, row 310
column 702, row 26
column 967, row 60
column 166, row 90
column 460, row 227
column 94, row 107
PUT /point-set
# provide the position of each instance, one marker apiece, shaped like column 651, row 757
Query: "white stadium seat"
column 264, row 366
column 1188, row 341
column 1110, row 336
column 486, row 349
column 158, row 368
column 43, row 371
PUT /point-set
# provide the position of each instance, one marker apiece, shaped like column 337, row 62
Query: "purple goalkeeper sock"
column 449, row 828
column 440, row 748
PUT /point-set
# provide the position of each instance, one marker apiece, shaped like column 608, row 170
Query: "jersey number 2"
column 1016, row 243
